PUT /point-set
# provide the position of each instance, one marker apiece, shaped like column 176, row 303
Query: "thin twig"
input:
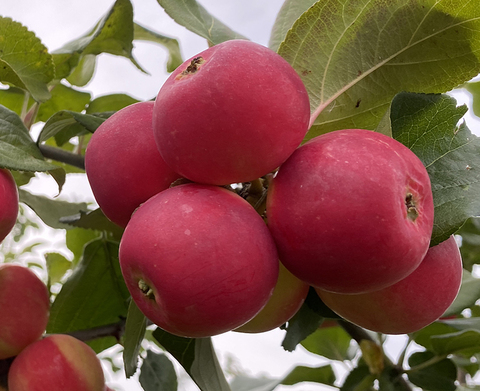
column 60, row 155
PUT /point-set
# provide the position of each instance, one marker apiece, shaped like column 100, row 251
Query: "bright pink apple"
column 24, row 306
column 56, row 363
column 411, row 304
column 9, row 202
column 232, row 113
column 351, row 211
column 286, row 300
column 123, row 165
column 198, row 260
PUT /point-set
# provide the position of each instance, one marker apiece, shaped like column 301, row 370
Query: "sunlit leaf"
column 174, row 56
column 428, row 125
column 63, row 98
column 24, row 60
column 291, row 10
column 354, row 56
column 190, row 14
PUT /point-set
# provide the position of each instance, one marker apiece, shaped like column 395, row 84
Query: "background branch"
column 60, row 155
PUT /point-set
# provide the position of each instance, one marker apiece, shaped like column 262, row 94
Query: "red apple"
column 56, row 363
column 198, row 260
column 351, row 211
column 411, row 304
column 232, row 113
column 25, row 306
column 9, row 202
column 123, row 165
column 287, row 298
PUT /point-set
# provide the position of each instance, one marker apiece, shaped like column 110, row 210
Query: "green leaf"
column 24, row 60
column 354, row 57
column 158, row 373
column 197, row 357
column 84, row 70
column 359, row 379
column 190, row 14
column 17, row 149
column 110, row 103
column 49, row 210
column 63, row 98
column 470, row 248
column 474, row 89
column 427, row 124
column 174, row 56
column 331, row 342
column 57, row 266
column 467, row 296
column 76, row 239
column 64, row 125
column 291, row 10
column 424, row 336
column 440, row 376
column 306, row 321
column 113, row 34
column 13, row 98
column 95, row 220
column 466, row 341
column 94, row 295
column 135, row 327
column 323, row 374
column 206, row 370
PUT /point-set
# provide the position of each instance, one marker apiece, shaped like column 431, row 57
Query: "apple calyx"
column 146, row 290
column 412, row 212
column 192, row 68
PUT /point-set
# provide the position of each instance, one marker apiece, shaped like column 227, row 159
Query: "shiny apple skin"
column 234, row 117
column 9, row 202
column 339, row 214
column 123, row 165
column 412, row 303
column 206, row 255
column 25, row 308
column 56, row 363
column 287, row 298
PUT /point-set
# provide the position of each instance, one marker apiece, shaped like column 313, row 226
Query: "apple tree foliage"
column 373, row 64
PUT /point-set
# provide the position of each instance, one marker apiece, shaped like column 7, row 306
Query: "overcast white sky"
column 56, row 22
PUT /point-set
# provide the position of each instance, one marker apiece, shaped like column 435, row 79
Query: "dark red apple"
column 232, row 113
column 198, row 260
column 56, row 363
column 287, row 298
column 25, row 307
column 9, row 202
column 410, row 304
column 351, row 211
column 123, row 165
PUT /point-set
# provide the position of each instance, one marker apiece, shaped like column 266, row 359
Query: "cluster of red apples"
column 349, row 213
column 25, row 308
